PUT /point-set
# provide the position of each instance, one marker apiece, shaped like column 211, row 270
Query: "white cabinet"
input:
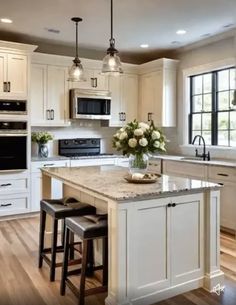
column 157, row 94
column 124, row 99
column 184, row 169
column 49, row 95
column 175, row 240
column 13, row 75
column 92, row 162
column 36, row 182
column 93, row 80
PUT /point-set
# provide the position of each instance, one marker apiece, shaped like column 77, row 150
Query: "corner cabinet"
column 124, row 99
column 157, row 92
column 49, row 95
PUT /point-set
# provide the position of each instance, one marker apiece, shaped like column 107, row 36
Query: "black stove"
column 78, row 147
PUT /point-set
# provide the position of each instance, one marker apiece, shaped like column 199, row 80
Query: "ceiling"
column 154, row 22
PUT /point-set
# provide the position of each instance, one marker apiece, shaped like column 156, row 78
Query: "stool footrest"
column 87, row 292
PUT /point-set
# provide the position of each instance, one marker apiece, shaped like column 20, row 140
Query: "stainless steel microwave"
column 90, row 104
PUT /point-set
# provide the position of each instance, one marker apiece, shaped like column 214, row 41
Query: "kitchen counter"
column 163, row 238
column 55, row 158
column 218, row 162
column 102, row 179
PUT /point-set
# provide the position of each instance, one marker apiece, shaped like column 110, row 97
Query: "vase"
column 42, row 150
column 138, row 163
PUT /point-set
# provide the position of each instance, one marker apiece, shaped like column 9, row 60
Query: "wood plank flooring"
column 22, row 283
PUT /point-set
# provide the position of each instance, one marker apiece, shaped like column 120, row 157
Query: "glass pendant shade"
column 111, row 64
column 76, row 73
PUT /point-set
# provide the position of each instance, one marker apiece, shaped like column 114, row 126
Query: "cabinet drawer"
column 92, row 162
column 184, row 169
column 35, row 166
column 11, row 205
column 155, row 166
column 222, row 173
column 13, row 185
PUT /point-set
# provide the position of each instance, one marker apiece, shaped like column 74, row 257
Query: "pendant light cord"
column 76, row 41
column 112, row 20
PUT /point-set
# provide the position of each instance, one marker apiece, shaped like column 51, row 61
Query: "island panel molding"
column 145, row 231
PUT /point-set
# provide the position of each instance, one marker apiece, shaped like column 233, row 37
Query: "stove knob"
column 66, row 142
column 94, row 141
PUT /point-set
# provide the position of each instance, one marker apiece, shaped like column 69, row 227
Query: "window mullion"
column 214, row 131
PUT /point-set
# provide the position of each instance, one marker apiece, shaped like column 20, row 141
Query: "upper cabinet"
column 157, row 92
column 49, row 95
column 124, row 99
column 93, row 80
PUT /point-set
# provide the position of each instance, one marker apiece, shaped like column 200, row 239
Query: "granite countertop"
column 215, row 162
column 109, row 182
column 55, row 158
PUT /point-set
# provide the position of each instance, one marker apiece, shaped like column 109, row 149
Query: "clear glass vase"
column 42, row 150
column 138, row 163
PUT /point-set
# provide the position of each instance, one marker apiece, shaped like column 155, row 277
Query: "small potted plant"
column 137, row 140
column 42, row 138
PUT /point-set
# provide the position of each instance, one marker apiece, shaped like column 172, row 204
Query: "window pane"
column 197, row 84
column 223, row 138
column 196, row 121
column 207, row 102
column 233, row 138
column 223, row 80
column 197, row 103
column 206, row 121
column 223, row 100
column 207, row 83
column 232, row 120
column 232, row 78
column 223, row 120
column 207, row 136
column 195, row 133
column 232, row 100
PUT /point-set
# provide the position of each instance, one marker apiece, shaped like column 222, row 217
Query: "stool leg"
column 65, row 263
column 90, row 258
column 41, row 236
column 72, row 250
column 105, row 261
column 63, row 232
column 53, row 250
column 83, row 272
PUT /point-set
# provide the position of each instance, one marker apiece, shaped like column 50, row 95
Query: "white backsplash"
column 78, row 129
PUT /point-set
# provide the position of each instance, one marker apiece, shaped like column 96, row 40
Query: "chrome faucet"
column 205, row 156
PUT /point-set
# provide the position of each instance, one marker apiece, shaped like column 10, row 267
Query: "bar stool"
column 87, row 228
column 57, row 209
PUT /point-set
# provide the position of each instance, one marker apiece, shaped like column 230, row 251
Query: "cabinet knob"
column 173, row 205
column 169, row 205
column 150, row 114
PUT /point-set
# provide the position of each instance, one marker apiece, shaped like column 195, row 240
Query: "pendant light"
column 111, row 62
column 76, row 73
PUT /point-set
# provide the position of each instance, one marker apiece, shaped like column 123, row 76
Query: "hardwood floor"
column 22, row 283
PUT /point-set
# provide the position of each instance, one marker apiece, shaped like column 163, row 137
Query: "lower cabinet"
column 173, row 243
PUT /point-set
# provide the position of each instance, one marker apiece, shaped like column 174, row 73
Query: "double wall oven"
column 13, row 135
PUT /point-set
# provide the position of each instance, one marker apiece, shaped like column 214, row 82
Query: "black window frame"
column 214, row 103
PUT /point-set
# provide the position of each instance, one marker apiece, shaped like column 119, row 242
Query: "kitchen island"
column 163, row 237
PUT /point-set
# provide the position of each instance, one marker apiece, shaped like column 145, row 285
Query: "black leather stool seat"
column 88, row 227
column 57, row 209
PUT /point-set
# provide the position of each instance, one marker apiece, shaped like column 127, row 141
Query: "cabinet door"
column 129, row 96
column 115, row 89
column 100, row 81
column 57, row 93
column 17, row 74
column 3, row 72
column 147, row 97
column 187, row 238
column 149, row 250
column 38, row 93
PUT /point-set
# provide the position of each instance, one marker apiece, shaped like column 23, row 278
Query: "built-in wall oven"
column 13, row 145
column 13, row 107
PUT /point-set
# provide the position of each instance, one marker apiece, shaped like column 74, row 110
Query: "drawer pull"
column 50, row 164
column 5, row 184
column 221, row 184
column 5, row 205
column 224, row 175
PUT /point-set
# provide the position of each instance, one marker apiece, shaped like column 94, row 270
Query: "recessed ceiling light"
column 51, row 30
column 229, row 25
column 6, row 20
column 175, row 42
column 144, row 45
column 181, row 32
column 205, row 35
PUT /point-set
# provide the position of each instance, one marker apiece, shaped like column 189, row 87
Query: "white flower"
column 156, row 135
column 122, row 129
column 117, row 135
column 143, row 126
column 162, row 146
column 123, row 135
column 143, row 142
column 132, row 142
column 118, row 145
column 138, row 132
column 156, row 144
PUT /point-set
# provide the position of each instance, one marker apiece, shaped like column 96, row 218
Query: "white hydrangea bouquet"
column 138, row 139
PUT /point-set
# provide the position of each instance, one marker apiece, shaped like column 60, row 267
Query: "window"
column 213, row 107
